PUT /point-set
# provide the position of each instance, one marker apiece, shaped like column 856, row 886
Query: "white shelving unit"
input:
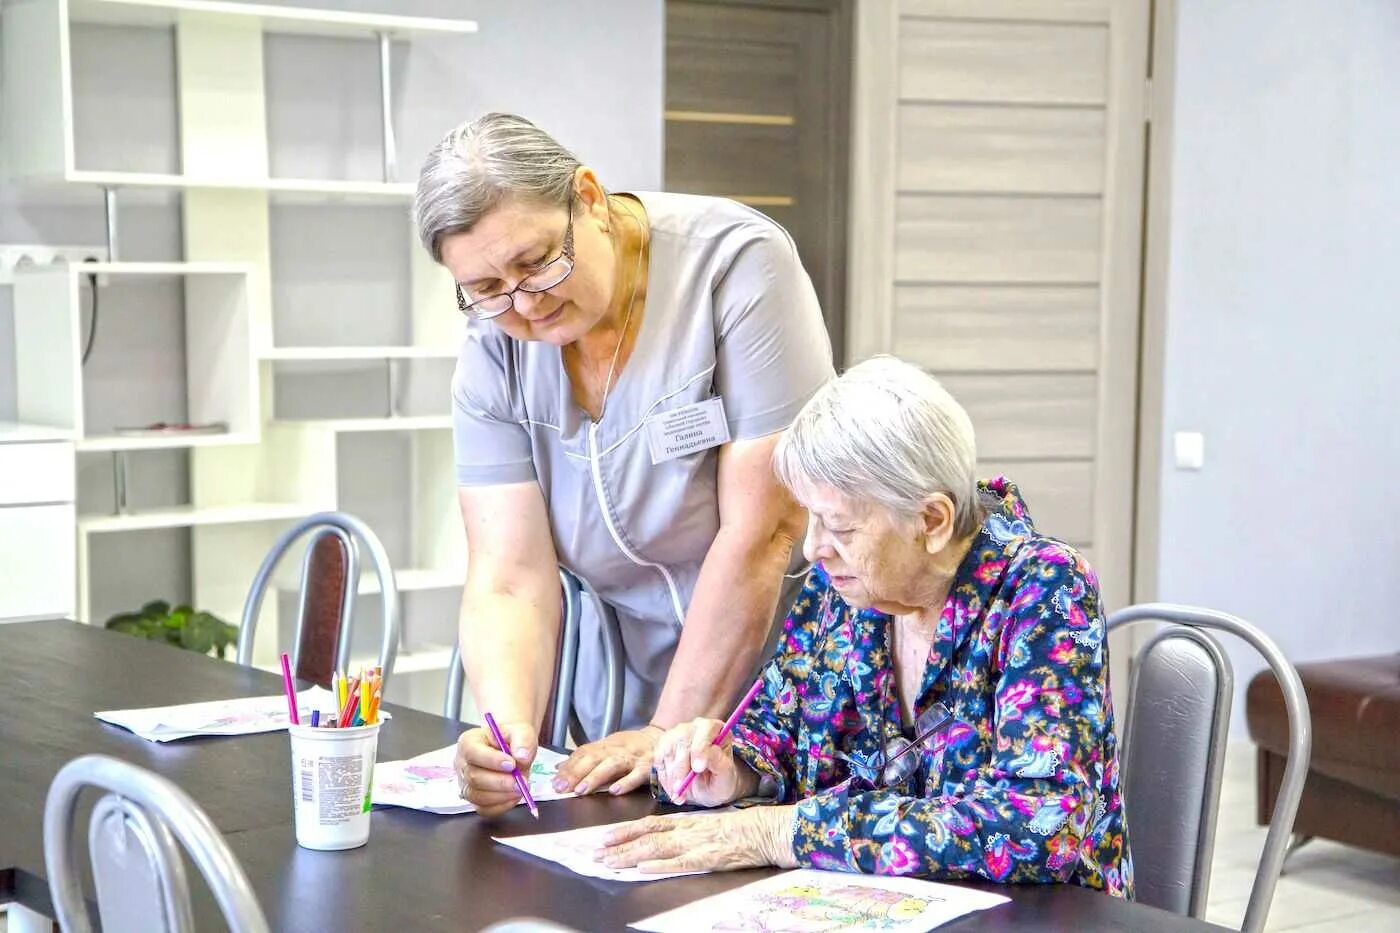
column 247, row 483
column 220, row 371
column 315, row 354
column 38, row 124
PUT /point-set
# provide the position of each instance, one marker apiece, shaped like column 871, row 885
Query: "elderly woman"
column 628, row 362
column 939, row 704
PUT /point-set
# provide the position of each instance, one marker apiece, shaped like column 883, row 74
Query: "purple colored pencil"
column 287, row 685
column 521, row 784
column 729, row 725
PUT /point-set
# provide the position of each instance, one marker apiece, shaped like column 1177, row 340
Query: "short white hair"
column 482, row 163
column 888, row 432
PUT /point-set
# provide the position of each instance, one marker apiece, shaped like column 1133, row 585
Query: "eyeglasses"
column 542, row 279
column 894, row 765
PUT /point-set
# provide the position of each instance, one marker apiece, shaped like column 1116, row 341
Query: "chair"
column 559, row 716
column 137, row 869
column 1173, row 753
column 330, row 577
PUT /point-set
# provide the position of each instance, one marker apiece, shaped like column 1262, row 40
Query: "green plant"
column 181, row 626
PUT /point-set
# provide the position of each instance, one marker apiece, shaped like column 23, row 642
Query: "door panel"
column 1003, row 62
column 1029, row 417
column 944, row 238
column 967, row 328
column 1052, row 150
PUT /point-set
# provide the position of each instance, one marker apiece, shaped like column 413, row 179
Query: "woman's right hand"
column 484, row 772
column 690, row 747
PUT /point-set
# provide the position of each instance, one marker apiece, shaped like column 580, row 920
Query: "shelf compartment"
column 274, row 19
column 318, row 354
column 189, row 516
column 220, row 371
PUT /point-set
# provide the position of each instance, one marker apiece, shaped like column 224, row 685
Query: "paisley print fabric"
column 1020, row 784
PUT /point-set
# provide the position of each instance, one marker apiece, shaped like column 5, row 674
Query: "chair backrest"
column 137, row 868
column 326, row 595
column 1177, row 725
column 329, row 581
column 1174, row 741
column 555, row 729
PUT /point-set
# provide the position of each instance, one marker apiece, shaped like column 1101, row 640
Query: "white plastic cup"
column 332, row 773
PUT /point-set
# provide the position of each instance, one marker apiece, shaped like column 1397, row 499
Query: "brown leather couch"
column 1352, row 793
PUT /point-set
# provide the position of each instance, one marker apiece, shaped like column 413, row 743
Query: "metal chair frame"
column 153, row 812
column 560, row 715
column 351, row 531
column 1299, row 746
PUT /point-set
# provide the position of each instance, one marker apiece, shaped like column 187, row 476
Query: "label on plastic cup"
column 332, row 776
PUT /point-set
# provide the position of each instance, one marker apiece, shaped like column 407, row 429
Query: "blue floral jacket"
column 1020, row 785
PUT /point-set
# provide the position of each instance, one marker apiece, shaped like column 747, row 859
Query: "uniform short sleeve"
column 491, row 446
column 773, row 352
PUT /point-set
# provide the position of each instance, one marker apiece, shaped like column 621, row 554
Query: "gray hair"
column 482, row 163
column 885, row 431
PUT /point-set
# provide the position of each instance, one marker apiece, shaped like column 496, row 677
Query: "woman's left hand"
column 703, row 842
column 617, row 764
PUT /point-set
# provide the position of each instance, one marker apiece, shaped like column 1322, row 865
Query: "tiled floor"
column 1326, row 888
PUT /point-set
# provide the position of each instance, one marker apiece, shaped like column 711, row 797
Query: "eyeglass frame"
column 927, row 727
column 938, row 718
column 566, row 255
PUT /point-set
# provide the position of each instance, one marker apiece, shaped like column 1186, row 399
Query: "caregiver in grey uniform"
column 629, row 360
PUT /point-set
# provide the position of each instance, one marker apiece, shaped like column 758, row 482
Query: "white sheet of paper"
column 428, row 782
column 807, row 899
column 243, row 716
column 574, row 849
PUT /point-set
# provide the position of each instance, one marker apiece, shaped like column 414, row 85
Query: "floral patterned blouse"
column 1021, row 782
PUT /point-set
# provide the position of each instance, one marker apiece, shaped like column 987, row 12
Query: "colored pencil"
column 287, row 685
column 729, row 725
column 521, row 784
column 315, row 719
column 347, row 711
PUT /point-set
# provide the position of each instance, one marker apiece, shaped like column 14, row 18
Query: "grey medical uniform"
column 729, row 312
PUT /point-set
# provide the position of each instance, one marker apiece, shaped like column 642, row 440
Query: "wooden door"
column 997, row 184
column 757, row 109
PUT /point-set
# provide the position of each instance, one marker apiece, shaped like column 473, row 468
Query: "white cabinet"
column 37, row 560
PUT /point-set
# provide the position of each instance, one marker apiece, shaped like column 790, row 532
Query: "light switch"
column 1190, row 448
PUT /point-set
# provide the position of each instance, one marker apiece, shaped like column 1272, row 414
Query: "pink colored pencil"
column 729, row 725
column 287, row 685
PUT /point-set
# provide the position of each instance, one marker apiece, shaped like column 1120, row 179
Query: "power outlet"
column 13, row 256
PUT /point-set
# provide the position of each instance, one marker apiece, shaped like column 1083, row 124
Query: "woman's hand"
column 618, row 764
column 703, row 841
column 484, row 772
column 690, row 747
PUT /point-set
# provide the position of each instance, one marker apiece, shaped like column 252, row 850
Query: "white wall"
column 1283, row 325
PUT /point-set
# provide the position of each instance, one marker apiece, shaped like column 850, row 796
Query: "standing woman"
column 629, row 362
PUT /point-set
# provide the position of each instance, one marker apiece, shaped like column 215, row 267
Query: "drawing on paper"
column 826, row 908
column 429, row 781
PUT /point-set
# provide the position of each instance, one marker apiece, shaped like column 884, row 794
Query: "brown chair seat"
column 1353, row 788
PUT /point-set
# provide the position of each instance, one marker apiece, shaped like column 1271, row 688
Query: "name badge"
column 685, row 430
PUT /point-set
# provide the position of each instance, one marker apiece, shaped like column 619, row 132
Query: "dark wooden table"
column 419, row 871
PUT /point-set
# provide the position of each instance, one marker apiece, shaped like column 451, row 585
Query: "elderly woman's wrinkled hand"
column 690, row 747
column 748, row 838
